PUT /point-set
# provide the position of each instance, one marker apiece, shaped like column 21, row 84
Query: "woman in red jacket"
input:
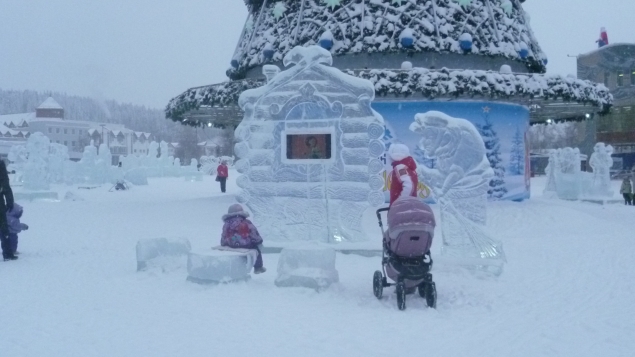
column 221, row 175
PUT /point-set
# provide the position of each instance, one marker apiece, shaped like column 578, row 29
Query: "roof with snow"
column 16, row 120
column 351, row 27
column 50, row 103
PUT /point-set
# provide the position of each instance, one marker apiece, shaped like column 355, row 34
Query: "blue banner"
column 504, row 129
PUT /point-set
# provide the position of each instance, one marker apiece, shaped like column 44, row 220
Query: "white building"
column 140, row 143
column 48, row 119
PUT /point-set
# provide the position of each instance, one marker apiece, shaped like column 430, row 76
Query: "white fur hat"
column 398, row 152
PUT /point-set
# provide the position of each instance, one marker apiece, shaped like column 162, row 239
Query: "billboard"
column 504, row 129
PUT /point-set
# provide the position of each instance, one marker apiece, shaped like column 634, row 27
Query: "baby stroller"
column 406, row 255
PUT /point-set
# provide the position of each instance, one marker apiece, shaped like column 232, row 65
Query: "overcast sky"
column 148, row 51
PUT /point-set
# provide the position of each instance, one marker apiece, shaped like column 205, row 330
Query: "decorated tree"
column 479, row 27
column 517, row 155
column 492, row 148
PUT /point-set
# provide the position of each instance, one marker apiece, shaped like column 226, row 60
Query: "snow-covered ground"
column 567, row 290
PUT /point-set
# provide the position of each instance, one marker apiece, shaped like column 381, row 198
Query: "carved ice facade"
column 322, row 198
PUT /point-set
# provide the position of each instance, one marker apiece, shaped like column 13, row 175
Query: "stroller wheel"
column 378, row 285
column 401, row 295
column 431, row 295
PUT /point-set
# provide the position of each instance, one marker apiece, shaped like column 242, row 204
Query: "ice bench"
column 310, row 266
column 151, row 251
column 220, row 265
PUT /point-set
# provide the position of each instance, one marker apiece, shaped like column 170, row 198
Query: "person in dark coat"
column 6, row 203
column 222, row 172
column 627, row 191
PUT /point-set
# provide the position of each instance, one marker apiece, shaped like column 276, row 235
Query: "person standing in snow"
column 404, row 181
column 627, row 191
column 239, row 232
column 6, row 203
column 222, row 172
column 15, row 226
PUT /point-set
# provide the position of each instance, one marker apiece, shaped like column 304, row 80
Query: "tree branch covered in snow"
column 216, row 95
column 430, row 84
column 469, row 83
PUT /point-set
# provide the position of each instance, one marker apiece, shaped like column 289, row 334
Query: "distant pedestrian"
column 222, row 172
column 627, row 191
column 6, row 203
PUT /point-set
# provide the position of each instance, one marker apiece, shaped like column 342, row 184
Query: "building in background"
column 48, row 119
column 614, row 65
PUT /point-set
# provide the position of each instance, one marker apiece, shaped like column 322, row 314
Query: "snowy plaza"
column 373, row 178
column 566, row 289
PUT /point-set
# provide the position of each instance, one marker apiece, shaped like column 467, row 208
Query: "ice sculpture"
column 18, row 156
column 567, row 174
column 148, row 250
column 57, row 158
column 87, row 166
column 208, row 165
column 459, row 181
column 36, row 168
column 601, row 162
column 308, row 149
column 103, row 165
column 551, row 189
column 307, row 266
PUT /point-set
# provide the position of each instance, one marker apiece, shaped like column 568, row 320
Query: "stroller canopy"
column 409, row 213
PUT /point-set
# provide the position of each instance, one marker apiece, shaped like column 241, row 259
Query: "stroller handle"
column 379, row 211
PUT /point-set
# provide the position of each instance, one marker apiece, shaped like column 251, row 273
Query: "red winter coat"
column 404, row 180
column 221, row 171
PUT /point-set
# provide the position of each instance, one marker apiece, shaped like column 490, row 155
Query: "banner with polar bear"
column 502, row 126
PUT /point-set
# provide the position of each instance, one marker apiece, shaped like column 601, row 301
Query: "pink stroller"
column 406, row 255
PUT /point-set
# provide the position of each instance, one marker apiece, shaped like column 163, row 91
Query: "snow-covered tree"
column 497, row 187
column 188, row 145
column 517, row 155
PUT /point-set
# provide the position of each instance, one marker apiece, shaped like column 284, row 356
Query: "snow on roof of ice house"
column 310, row 76
column 426, row 31
column 50, row 103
